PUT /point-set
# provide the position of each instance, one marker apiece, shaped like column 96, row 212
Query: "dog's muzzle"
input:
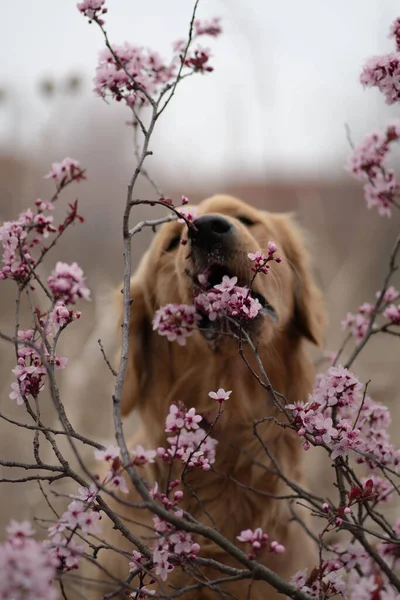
column 211, row 231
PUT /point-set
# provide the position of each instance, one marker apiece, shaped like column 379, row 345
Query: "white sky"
column 285, row 79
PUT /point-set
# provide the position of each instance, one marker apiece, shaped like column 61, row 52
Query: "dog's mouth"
column 213, row 328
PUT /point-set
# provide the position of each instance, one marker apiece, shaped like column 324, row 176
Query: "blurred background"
column 268, row 125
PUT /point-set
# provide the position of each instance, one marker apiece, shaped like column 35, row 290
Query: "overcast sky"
column 285, row 80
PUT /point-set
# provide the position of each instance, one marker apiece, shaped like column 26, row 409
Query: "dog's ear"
column 140, row 333
column 309, row 308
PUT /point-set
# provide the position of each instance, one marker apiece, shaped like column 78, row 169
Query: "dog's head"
column 226, row 231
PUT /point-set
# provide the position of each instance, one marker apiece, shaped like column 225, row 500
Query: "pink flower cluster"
column 360, row 424
column 383, row 72
column 132, row 73
column 79, row 515
column 30, row 370
column 352, row 574
column 367, row 163
column 212, row 27
column 171, row 545
column 258, row 540
column 114, row 476
column 261, row 261
column 65, row 171
column 226, row 299
column 358, row 323
column 136, row 74
column 67, row 283
column 92, row 9
column 176, row 322
column 190, row 213
column 395, row 33
column 27, row 568
column 16, row 256
column 191, row 444
column 17, row 259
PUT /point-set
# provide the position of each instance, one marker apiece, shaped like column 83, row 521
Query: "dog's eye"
column 245, row 220
column 174, row 243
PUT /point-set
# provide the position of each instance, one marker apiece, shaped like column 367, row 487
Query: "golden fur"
column 239, row 492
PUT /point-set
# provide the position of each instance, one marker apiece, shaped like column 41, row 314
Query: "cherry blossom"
column 92, row 9
column 67, row 283
column 176, row 322
column 212, row 27
column 220, row 395
column 189, row 212
column 141, row 457
column 367, row 163
column 395, row 32
column 227, row 300
column 261, row 261
column 65, row 171
column 26, row 564
column 191, row 445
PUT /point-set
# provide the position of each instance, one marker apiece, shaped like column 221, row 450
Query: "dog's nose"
column 209, row 230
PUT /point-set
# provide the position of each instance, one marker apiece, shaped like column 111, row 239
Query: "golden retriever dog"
column 241, row 490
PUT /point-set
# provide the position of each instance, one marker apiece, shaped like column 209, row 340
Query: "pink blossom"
column 67, row 283
column 220, row 396
column 88, row 520
column 117, row 481
column 212, row 27
column 176, row 322
column 85, row 494
column 392, row 313
column 191, row 419
column 190, row 213
column 65, row 171
column 92, row 8
column 227, row 299
column 136, row 74
column 16, row 257
column 390, row 294
column 26, row 565
column 380, row 191
column 227, row 284
column 108, row 455
column 141, row 456
column 20, row 529
column 367, row 163
column 65, row 551
column 395, row 32
column 175, row 418
column 277, row 548
column 191, row 446
column 383, row 72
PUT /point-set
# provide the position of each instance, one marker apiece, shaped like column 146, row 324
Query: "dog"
column 242, row 490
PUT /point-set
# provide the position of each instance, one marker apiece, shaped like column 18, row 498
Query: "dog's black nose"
column 210, row 230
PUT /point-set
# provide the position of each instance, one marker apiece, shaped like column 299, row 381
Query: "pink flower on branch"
column 26, row 566
column 67, row 283
column 65, row 171
column 212, row 27
column 191, row 444
column 220, row 396
column 176, row 322
column 383, row 72
column 395, row 33
column 259, row 540
column 367, row 163
column 92, row 9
